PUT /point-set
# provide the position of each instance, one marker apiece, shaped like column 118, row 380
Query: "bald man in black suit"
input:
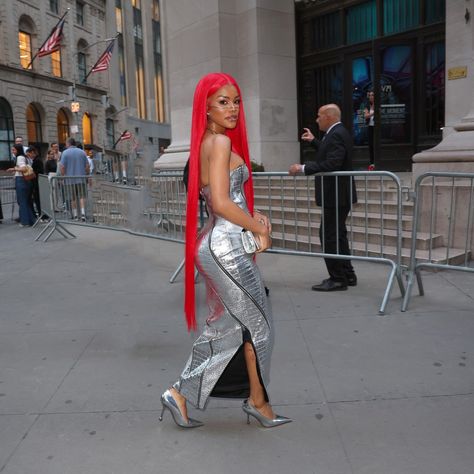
column 334, row 195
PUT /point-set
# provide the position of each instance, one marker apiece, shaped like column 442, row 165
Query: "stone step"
column 360, row 219
column 308, row 192
column 361, row 234
column 303, row 202
column 438, row 255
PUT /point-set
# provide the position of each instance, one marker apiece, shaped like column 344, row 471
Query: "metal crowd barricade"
column 8, row 192
column 290, row 204
column 169, row 208
column 448, row 217
column 156, row 210
column 48, row 201
column 159, row 210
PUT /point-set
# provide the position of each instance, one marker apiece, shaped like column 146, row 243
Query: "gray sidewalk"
column 91, row 333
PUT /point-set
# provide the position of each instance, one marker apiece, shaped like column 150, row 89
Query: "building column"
column 455, row 153
column 254, row 41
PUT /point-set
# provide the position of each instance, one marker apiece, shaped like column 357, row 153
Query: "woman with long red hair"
column 231, row 357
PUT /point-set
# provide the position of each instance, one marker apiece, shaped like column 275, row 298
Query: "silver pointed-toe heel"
column 263, row 420
column 168, row 402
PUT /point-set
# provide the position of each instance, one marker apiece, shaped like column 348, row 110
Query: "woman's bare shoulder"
column 217, row 144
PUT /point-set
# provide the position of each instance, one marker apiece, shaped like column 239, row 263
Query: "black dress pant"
column 333, row 236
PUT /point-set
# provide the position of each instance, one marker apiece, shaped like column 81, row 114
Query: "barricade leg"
column 419, row 281
column 388, row 289
column 178, row 270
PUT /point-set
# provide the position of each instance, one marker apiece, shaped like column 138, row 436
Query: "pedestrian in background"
column 23, row 187
column 74, row 164
column 334, row 194
column 38, row 168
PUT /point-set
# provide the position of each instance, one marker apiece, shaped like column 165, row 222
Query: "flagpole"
column 119, row 138
column 89, row 73
column 47, row 38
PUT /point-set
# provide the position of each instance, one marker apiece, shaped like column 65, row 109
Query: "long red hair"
column 206, row 87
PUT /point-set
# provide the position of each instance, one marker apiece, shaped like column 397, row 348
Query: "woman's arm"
column 20, row 165
column 219, row 183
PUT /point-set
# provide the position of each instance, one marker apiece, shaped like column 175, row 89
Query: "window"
column 110, row 130
column 400, row 15
column 56, row 63
column 62, row 123
column 139, row 60
column 54, row 6
column 118, row 20
column 158, row 80
column 87, row 129
column 137, row 26
column 123, row 80
column 136, row 4
column 435, row 11
column 155, row 10
column 81, row 67
column 7, row 133
column 327, row 31
column 24, row 43
column 33, row 124
column 329, row 85
column 80, row 7
column 361, row 22
column 140, row 81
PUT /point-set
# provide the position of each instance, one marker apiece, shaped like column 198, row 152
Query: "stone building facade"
column 36, row 100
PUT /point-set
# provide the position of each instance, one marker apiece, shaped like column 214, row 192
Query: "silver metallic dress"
column 239, row 310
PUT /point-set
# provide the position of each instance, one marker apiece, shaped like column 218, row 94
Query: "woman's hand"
column 263, row 219
column 263, row 238
column 11, row 169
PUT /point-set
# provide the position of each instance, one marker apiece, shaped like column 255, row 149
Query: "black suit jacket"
column 334, row 153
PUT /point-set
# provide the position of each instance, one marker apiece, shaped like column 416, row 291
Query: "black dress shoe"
column 330, row 285
column 351, row 280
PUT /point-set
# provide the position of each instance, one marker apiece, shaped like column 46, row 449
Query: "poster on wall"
column 395, row 94
column 394, row 91
column 362, row 83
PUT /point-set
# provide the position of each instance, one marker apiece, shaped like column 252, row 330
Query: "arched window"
column 81, row 60
column 26, row 29
column 7, row 133
column 62, row 121
column 87, row 129
column 110, row 128
column 33, row 124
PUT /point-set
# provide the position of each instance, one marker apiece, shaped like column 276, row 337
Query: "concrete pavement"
column 91, row 333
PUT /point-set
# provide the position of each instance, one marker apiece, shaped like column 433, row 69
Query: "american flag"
column 126, row 135
column 103, row 62
column 53, row 43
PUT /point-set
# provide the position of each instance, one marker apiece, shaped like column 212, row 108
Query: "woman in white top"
column 23, row 187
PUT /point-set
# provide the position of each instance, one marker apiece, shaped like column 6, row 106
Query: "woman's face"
column 223, row 107
column 14, row 151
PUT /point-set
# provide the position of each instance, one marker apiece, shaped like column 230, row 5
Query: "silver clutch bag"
column 249, row 241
